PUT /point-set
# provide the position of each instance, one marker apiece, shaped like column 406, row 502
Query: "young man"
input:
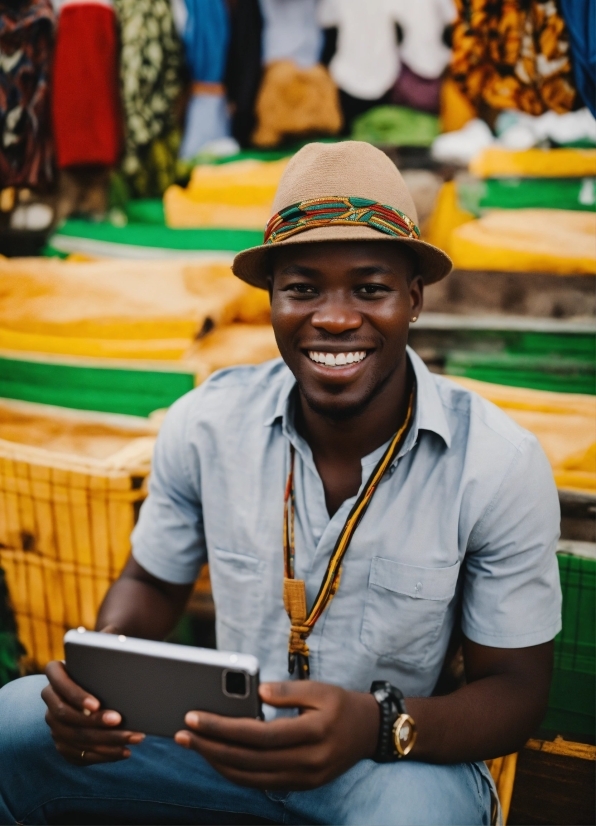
column 382, row 504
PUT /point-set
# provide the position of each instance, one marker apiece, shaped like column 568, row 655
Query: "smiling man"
column 356, row 511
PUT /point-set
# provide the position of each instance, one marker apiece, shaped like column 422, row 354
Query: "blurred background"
column 141, row 143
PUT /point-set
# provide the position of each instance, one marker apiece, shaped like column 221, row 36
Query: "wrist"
column 369, row 734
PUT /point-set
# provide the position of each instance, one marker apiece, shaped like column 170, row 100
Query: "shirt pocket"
column 405, row 609
column 237, row 582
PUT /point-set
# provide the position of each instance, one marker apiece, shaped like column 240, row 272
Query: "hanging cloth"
column 86, row 116
column 206, row 40
column 291, row 32
column 294, row 593
column 150, row 80
column 580, row 16
column 243, row 70
column 26, row 41
column 513, row 54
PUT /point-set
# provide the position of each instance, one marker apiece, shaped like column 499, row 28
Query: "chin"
column 339, row 407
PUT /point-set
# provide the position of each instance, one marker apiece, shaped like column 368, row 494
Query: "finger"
column 294, row 694
column 281, row 733
column 72, row 693
column 88, row 757
column 238, row 757
column 90, row 738
column 61, row 710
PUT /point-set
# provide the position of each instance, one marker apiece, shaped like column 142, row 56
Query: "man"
column 383, row 505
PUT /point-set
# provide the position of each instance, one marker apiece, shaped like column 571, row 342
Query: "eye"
column 300, row 289
column 371, row 289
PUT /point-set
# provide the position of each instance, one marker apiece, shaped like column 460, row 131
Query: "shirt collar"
column 429, row 413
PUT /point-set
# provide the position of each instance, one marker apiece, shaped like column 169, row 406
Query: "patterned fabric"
column 513, row 54
column 324, row 212
column 150, row 77
column 26, row 39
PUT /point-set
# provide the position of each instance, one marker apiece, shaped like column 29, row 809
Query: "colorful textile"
column 295, row 102
column 206, row 39
column 580, row 17
column 324, row 212
column 396, row 126
column 513, row 54
column 416, row 91
column 150, row 78
column 86, row 115
column 542, row 163
column 554, row 241
column 26, row 42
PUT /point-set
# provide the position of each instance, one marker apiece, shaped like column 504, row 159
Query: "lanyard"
column 303, row 621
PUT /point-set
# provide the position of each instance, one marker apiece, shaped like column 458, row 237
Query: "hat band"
column 325, row 212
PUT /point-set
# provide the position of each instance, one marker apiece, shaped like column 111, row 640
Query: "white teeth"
column 336, row 359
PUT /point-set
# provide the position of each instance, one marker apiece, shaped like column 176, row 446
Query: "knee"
column 22, row 719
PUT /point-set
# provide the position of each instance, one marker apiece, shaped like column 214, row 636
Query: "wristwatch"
column 397, row 731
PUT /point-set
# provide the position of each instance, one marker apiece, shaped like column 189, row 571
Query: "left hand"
column 335, row 729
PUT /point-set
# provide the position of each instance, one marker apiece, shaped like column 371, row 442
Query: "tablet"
column 154, row 684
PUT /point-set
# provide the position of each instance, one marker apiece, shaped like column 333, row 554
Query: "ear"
column 416, row 288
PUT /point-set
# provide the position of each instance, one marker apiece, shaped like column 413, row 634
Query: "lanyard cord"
column 302, row 622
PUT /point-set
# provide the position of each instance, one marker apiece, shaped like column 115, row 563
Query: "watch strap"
column 391, row 704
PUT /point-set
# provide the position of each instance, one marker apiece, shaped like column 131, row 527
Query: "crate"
column 71, row 485
column 572, row 702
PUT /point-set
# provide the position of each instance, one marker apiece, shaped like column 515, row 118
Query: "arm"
column 141, row 605
column 493, row 715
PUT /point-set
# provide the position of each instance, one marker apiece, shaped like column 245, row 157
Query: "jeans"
column 164, row 783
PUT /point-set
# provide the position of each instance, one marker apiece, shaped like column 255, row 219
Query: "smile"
column 337, row 359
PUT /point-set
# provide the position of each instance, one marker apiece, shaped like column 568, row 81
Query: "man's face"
column 340, row 312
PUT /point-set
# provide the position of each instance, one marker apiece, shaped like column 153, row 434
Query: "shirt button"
column 418, row 587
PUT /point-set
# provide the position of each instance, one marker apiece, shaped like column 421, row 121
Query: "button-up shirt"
column 464, row 524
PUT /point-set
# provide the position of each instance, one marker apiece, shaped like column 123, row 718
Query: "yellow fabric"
column 542, row 163
column 446, row 216
column 236, row 195
column 564, row 423
column 555, row 241
column 234, row 344
column 455, row 108
column 119, row 309
column 294, row 101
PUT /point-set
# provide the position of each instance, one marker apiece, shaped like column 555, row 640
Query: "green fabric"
column 109, row 390
column 160, row 236
column 146, row 211
column 527, row 193
column 11, row 650
column 572, row 701
column 396, row 126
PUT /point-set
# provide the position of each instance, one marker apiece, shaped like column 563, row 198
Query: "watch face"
column 404, row 734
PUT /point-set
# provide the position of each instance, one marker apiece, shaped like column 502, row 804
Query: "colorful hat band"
column 325, row 212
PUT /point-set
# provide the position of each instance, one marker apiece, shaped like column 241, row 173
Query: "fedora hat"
column 348, row 191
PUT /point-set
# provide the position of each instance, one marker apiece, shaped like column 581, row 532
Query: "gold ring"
column 82, row 754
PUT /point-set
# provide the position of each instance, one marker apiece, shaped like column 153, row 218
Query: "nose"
column 336, row 316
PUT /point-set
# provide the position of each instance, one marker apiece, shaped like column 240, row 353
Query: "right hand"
column 83, row 733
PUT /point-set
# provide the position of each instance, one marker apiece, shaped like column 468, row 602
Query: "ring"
column 82, row 754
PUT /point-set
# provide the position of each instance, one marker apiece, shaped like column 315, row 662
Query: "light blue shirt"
column 467, row 515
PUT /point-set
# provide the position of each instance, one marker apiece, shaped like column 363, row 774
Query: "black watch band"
column 391, row 706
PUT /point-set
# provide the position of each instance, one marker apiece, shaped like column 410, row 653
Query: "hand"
column 335, row 729
column 83, row 733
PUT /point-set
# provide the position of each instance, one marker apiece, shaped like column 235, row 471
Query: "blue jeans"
column 164, row 783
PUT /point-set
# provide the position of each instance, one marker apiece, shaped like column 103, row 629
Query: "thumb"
column 292, row 694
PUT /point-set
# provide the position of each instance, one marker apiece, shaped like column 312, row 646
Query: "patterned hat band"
column 326, row 212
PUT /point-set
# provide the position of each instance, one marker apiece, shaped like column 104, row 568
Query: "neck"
column 349, row 440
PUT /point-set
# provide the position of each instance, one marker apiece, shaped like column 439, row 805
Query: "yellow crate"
column 49, row 597
column 72, row 482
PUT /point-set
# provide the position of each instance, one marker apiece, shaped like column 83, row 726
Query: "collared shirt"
column 467, row 517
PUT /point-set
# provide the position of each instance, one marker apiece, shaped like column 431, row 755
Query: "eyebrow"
column 366, row 269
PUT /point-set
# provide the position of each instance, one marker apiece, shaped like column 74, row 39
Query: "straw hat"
column 346, row 191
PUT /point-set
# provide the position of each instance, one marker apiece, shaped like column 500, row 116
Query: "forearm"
column 138, row 609
column 487, row 718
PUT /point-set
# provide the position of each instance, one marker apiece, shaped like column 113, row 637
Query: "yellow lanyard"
column 303, row 621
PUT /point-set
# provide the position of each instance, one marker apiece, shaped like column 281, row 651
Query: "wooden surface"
column 554, row 785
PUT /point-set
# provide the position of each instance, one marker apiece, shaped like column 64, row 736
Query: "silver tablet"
column 153, row 684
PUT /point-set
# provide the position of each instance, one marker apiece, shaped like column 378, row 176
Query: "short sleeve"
column 512, row 591
column 168, row 540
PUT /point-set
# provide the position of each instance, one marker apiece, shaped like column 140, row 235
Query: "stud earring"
column 415, row 318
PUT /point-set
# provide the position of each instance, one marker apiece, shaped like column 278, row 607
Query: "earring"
column 415, row 318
